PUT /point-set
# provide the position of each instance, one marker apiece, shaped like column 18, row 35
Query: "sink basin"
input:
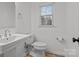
column 8, row 39
column 13, row 38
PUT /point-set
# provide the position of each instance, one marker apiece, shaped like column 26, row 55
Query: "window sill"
column 47, row 26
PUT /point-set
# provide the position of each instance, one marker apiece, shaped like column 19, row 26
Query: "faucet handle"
column 1, row 36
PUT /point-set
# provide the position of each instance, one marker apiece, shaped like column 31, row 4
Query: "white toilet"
column 39, row 49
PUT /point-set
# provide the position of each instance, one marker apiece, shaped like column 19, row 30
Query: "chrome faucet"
column 1, row 36
column 7, row 32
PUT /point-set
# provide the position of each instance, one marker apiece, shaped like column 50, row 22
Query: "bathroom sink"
column 13, row 38
column 13, row 45
column 7, row 39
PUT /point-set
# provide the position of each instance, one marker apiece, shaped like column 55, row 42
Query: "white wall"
column 65, row 19
column 7, row 14
column 49, row 35
column 72, row 18
column 23, row 23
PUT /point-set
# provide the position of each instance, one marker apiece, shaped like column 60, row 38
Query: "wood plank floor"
column 47, row 54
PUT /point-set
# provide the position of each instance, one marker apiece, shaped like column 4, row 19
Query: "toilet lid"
column 39, row 44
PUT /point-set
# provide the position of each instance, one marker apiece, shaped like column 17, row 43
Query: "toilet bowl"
column 39, row 49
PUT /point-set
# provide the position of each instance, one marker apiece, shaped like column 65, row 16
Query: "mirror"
column 7, row 15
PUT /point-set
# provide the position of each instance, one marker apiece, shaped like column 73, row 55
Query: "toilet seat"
column 39, row 49
column 39, row 45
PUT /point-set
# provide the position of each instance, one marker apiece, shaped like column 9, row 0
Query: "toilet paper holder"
column 60, row 39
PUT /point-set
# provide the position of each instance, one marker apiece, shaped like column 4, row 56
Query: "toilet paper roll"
column 60, row 38
column 76, row 36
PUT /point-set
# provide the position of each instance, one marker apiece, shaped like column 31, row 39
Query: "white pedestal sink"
column 11, row 46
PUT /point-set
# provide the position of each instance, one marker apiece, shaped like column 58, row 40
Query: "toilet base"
column 37, row 53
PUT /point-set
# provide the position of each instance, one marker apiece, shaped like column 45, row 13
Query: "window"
column 47, row 15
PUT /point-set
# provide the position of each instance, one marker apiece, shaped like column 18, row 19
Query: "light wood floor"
column 47, row 54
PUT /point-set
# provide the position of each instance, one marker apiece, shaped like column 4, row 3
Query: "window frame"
column 52, row 14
